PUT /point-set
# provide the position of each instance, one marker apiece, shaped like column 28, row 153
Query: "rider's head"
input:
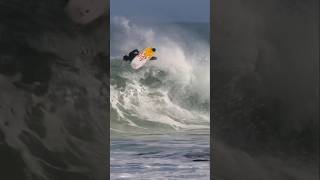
column 154, row 49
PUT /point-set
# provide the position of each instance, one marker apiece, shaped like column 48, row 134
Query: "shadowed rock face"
column 53, row 84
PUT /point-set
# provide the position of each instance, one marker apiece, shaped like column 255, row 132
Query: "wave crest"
column 169, row 94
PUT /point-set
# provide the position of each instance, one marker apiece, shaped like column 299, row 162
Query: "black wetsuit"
column 131, row 55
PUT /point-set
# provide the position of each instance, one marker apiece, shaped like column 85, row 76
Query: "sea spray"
column 170, row 94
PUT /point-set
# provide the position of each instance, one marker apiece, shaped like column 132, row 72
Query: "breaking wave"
column 170, row 94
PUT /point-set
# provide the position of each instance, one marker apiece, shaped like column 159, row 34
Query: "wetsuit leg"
column 126, row 58
column 133, row 54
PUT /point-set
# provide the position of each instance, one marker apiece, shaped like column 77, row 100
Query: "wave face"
column 53, row 91
column 171, row 94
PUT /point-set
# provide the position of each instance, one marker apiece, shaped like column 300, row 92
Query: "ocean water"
column 160, row 157
column 160, row 113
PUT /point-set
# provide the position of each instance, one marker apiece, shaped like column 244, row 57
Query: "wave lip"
column 170, row 94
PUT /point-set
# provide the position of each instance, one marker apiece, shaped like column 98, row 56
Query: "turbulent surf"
column 171, row 94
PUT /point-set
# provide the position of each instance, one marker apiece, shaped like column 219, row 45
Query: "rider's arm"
column 153, row 58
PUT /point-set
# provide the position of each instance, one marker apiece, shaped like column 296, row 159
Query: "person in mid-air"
column 150, row 52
